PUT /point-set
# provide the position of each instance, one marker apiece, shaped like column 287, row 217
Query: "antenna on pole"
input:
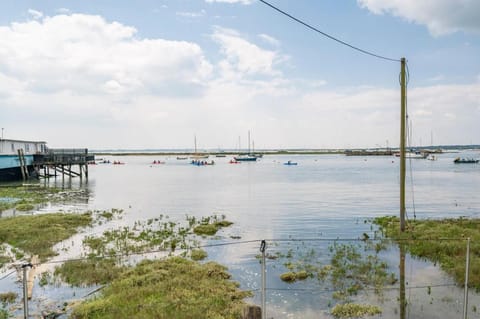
column 403, row 113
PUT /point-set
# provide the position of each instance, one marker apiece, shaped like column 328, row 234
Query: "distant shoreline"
column 180, row 152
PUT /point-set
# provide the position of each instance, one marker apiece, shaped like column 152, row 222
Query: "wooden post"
column 21, row 160
column 467, row 270
column 402, row 142
column 252, row 312
column 31, row 276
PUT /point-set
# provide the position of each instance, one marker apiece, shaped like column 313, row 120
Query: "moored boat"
column 459, row 160
column 245, row 158
column 414, row 154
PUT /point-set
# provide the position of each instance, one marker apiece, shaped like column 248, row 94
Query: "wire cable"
column 409, row 141
column 327, row 35
column 7, row 275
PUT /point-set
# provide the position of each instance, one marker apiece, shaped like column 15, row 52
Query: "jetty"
column 71, row 162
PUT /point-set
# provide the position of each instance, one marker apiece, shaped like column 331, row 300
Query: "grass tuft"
column 163, row 289
column 352, row 310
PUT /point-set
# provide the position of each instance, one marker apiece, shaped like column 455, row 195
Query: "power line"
column 272, row 240
column 326, row 34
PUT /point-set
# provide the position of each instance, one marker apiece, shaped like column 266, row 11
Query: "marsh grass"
column 106, row 254
column 87, row 272
column 353, row 310
column 8, row 297
column 172, row 288
column 24, row 198
column 441, row 241
column 352, row 271
column 37, row 234
column 209, row 226
column 28, row 235
column 198, row 254
column 347, row 269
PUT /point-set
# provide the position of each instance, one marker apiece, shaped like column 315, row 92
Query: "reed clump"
column 209, row 226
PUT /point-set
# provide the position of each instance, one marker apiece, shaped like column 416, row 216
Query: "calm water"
column 323, row 197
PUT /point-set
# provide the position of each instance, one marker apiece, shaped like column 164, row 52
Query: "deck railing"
column 64, row 156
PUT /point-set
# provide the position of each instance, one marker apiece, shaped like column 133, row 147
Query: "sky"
column 114, row 74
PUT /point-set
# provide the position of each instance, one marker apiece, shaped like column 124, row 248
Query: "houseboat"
column 17, row 158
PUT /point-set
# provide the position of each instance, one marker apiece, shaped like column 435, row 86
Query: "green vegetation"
column 351, row 271
column 91, row 271
column 351, row 268
column 198, row 254
column 211, row 225
column 440, row 241
column 5, row 299
column 24, row 207
column 24, row 198
column 106, row 252
column 36, row 235
column 8, row 297
column 208, row 229
column 351, row 310
column 164, row 289
column 292, row 276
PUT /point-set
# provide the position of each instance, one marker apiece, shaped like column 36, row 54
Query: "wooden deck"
column 71, row 162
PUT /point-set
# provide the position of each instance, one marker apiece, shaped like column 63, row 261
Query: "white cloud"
column 35, row 14
column 81, row 53
column 269, row 39
column 440, row 16
column 245, row 57
column 366, row 117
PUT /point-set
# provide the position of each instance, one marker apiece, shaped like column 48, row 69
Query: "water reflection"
column 402, row 300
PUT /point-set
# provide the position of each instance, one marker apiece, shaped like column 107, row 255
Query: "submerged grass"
column 209, row 226
column 440, row 241
column 36, row 235
column 164, row 289
column 106, row 253
column 23, row 198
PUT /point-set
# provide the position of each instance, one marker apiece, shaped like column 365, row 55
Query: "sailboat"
column 246, row 157
column 196, row 155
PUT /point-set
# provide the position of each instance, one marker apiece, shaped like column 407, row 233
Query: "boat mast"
column 248, row 141
column 195, row 140
column 402, row 142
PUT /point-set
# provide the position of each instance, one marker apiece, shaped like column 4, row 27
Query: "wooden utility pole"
column 403, row 113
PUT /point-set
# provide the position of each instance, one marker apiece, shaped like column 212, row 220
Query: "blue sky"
column 152, row 74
